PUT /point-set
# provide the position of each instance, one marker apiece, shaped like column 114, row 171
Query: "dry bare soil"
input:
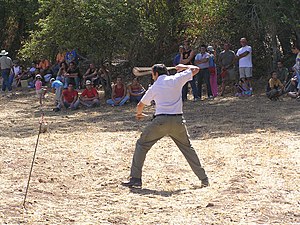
column 249, row 148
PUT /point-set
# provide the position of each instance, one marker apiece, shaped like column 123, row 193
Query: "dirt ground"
column 249, row 148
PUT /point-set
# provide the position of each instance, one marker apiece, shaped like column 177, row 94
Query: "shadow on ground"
column 205, row 119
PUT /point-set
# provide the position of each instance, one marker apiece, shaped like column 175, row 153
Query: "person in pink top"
column 39, row 89
column 213, row 71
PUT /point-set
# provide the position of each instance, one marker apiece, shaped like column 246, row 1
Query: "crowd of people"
column 65, row 80
column 234, row 69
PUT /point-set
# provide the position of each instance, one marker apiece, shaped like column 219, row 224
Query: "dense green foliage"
column 148, row 31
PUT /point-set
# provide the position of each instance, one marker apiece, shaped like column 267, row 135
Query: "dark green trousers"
column 173, row 126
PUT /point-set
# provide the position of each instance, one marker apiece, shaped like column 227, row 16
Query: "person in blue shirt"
column 57, row 88
column 176, row 59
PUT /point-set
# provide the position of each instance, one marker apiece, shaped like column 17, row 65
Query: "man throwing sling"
column 168, row 120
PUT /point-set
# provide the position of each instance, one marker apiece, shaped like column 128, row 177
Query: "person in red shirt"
column 119, row 94
column 70, row 98
column 89, row 96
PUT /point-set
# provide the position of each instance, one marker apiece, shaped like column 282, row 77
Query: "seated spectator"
column 57, row 88
column 89, row 96
column 90, row 74
column 47, row 75
column 72, row 75
column 70, row 98
column 20, row 76
column 44, row 64
column 40, row 90
column 32, row 68
column 63, row 68
column 60, row 57
column 136, row 90
column 274, row 87
column 15, row 72
column 119, row 94
column 243, row 88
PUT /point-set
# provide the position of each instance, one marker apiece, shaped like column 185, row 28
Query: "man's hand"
column 140, row 116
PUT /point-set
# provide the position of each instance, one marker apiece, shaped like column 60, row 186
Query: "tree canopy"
column 148, row 31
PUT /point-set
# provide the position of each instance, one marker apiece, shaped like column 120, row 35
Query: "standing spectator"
column 176, row 59
column 296, row 68
column 119, row 94
column 6, row 65
column 244, row 55
column 187, row 57
column 226, row 62
column 202, row 61
column 274, row 88
column 282, row 72
column 70, row 98
column 213, row 71
column 136, row 90
column 72, row 75
column 39, row 89
column 57, row 87
column 89, row 96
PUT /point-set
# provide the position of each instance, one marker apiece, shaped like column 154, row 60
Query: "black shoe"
column 56, row 109
column 133, row 182
column 204, row 183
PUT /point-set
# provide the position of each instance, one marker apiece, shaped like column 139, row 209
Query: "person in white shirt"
column 202, row 61
column 244, row 55
column 168, row 120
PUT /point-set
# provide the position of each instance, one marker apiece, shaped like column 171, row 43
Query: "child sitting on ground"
column 243, row 88
column 274, row 87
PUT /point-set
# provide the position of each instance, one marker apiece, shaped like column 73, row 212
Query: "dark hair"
column 203, row 46
column 63, row 63
column 160, row 69
column 273, row 71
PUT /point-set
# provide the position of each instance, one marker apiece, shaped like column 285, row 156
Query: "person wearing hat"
column 89, row 96
column 6, row 66
column 40, row 90
column 56, row 87
column 213, row 71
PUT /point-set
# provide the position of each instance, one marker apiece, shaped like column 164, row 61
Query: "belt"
column 169, row 114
